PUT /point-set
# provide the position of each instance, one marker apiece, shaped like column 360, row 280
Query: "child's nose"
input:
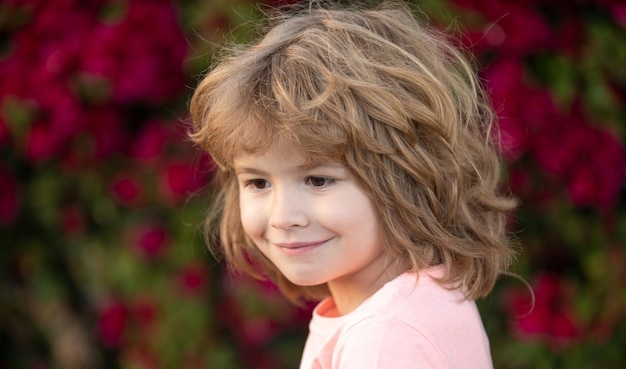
column 288, row 210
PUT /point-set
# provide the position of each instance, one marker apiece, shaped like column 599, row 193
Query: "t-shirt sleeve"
column 386, row 344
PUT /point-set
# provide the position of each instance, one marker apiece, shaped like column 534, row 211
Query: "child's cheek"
column 253, row 216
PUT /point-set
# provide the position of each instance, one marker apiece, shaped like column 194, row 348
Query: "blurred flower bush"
column 102, row 264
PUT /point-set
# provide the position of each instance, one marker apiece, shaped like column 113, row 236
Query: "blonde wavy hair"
column 394, row 102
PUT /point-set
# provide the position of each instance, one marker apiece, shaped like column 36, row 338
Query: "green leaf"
column 18, row 114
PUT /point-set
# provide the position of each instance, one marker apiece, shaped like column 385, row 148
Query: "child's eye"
column 258, row 184
column 319, row 182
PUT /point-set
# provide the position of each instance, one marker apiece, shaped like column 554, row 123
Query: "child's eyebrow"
column 304, row 167
column 246, row 170
column 320, row 164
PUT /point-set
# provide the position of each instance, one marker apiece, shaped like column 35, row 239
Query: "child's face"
column 312, row 221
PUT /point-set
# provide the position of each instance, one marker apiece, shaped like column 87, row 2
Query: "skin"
column 314, row 223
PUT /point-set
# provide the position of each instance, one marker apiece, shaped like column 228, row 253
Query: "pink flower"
column 144, row 314
column 180, row 180
column 513, row 138
column 525, row 30
column 505, row 79
column 40, row 69
column 61, row 111
column 41, row 143
column 107, row 131
column 151, row 240
column 141, row 53
column 537, row 109
column 150, row 142
column 518, row 103
column 257, row 331
column 514, row 28
column 126, row 190
column 192, row 279
column 597, row 176
column 570, row 36
column 5, row 136
column 11, row 82
column 587, row 160
column 9, row 197
column 112, row 323
column 618, row 10
column 554, row 149
column 520, row 182
column 552, row 318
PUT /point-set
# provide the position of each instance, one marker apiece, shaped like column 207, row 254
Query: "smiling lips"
column 299, row 248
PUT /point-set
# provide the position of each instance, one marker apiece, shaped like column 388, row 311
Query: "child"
column 355, row 167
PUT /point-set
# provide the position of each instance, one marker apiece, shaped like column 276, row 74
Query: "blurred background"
column 102, row 263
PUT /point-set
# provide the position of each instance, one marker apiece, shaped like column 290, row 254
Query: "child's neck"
column 351, row 291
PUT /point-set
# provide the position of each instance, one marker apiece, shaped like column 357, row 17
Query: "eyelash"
column 254, row 183
column 327, row 181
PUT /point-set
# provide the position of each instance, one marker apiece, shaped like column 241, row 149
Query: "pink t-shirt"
column 405, row 324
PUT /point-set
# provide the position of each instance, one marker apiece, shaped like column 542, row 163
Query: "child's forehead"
column 316, row 141
column 292, row 153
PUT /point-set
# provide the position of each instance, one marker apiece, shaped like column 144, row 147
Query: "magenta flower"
column 41, row 143
column 553, row 149
column 5, row 136
column 505, row 79
column 257, row 331
column 589, row 161
column 126, row 190
column 192, row 279
column 9, row 197
column 551, row 319
column 144, row 312
column 141, row 53
column 151, row 240
column 112, row 323
column 106, row 128
column 513, row 28
column 150, row 142
column 598, row 175
column 618, row 10
column 569, row 36
column 180, row 180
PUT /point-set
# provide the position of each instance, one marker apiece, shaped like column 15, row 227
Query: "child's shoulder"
column 414, row 299
column 411, row 319
column 415, row 303
column 420, row 317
